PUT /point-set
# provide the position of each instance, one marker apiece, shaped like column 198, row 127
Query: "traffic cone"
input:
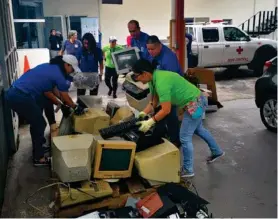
column 26, row 64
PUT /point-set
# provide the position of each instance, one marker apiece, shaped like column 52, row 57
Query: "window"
column 116, row 2
column 210, row 35
column 29, row 35
column 8, row 55
column 234, row 34
column 27, row 9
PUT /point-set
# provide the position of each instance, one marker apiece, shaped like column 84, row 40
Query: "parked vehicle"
column 266, row 95
column 220, row 45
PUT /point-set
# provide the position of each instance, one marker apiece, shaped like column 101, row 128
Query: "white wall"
column 70, row 7
column 154, row 15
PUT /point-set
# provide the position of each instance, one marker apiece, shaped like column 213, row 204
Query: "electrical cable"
column 51, row 185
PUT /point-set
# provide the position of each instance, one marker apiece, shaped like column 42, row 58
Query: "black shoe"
column 114, row 96
column 213, row 158
column 109, row 92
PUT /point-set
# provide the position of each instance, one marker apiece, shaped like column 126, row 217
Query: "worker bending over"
column 165, row 59
column 168, row 88
column 27, row 94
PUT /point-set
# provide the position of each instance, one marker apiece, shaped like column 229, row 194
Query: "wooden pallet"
column 133, row 187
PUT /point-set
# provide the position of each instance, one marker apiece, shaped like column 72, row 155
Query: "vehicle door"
column 239, row 49
column 210, row 48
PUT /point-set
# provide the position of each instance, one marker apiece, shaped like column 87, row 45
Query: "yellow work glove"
column 141, row 115
column 146, row 125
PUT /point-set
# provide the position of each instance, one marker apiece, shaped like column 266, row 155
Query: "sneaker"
column 213, row 158
column 38, row 163
column 109, row 92
column 185, row 174
column 114, row 96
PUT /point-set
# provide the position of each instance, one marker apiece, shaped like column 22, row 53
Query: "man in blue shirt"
column 27, row 96
column 166, row 59
column 138, row 38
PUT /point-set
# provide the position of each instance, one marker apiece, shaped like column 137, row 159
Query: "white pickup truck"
column 219, row 45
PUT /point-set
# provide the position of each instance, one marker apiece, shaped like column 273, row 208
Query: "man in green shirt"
column 110, row 71
column 169, row 89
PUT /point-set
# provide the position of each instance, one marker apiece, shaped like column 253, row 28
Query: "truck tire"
column 233, row 68
column 262, row 55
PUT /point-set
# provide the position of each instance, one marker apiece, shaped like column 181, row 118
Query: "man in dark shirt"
column 55, row 43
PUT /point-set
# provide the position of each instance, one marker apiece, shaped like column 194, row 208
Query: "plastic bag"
column 85, row 80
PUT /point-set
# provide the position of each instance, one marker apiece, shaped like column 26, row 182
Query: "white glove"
column 146, row 125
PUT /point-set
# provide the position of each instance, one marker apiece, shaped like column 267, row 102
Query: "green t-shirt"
column 107, row 53
column 171, row 87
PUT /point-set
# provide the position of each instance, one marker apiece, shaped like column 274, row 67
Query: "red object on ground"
column 149, row 205
column 128, row 41
column 26, row 65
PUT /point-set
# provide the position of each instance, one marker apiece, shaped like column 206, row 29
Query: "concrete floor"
column 241, row 184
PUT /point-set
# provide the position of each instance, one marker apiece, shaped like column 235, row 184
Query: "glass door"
column 54, row 22
column 74, row 23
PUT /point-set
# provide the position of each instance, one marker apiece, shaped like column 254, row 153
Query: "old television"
column 125, row 59
column 113, row 159
column 160, row 163
column 72, row 157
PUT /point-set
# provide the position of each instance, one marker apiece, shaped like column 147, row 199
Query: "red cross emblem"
column 239, row 50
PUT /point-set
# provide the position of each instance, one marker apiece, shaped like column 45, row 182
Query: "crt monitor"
column 159, row 163
column 113, row 159
column 125, row 59
column 72, row 157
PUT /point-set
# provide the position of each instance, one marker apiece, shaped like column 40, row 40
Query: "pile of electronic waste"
column 104, row 146
column 170, row 201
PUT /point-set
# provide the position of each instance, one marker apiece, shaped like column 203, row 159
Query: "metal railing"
column 261, row 23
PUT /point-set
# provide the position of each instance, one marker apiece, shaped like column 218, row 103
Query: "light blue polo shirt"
column 141, row 44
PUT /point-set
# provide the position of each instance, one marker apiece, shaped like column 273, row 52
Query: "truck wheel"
column 262, row 55
column 233, row 68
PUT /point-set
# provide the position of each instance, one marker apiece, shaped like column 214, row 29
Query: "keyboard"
column 119, row 129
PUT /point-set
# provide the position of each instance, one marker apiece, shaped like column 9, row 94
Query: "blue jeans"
column 27, row 108
column 189, row 127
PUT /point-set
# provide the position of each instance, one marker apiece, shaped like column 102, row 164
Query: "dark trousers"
column 111, row 74
column 26, row 107
column 94, row 92
column 173, row 126
column 49, row 112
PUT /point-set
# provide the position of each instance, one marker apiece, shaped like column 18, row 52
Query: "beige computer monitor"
column 91, row 122
column 113, row 159
column 72, row 157
column 137, row 104
column 159, row 163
